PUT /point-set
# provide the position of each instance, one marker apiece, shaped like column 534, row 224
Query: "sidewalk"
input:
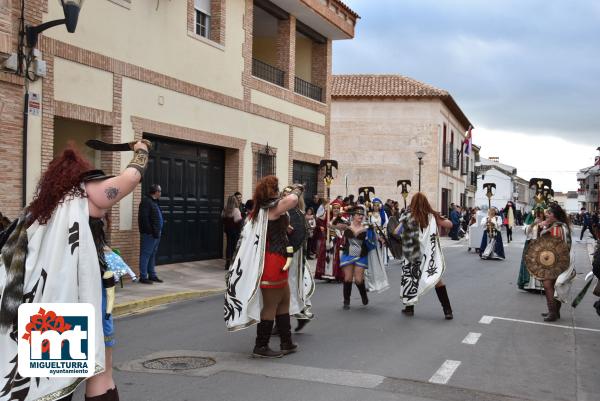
column 181, row 281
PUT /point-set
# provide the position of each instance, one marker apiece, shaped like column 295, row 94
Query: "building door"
column 445, row 202
column 192, row 181
column 306, row 174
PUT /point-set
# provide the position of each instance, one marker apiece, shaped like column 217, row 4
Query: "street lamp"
column 420, row 154
column 71, row 10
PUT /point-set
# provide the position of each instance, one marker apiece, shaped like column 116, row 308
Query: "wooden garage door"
column 192, row 179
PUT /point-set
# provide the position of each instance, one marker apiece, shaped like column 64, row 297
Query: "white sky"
column 537, row 155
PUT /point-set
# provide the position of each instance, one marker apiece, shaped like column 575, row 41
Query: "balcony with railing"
column 267, row 72
column 464, row 166
column 308, row 89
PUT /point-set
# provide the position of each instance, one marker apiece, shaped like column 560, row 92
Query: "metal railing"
column 267, row 72
column 307, row 89
column 464, row 168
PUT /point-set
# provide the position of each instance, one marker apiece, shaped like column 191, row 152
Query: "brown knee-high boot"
column 553, row 305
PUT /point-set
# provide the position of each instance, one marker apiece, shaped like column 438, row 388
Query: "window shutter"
column 203, row 5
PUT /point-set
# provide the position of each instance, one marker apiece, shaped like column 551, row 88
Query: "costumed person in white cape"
column 55, row 254
column 491, row 244
column 301, row 282
column 258, row 290
column 379, row 219
column 360, row 261
column 423, row 261
column 557, row 290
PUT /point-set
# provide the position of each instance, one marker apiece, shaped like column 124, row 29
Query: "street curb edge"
column 144, row 303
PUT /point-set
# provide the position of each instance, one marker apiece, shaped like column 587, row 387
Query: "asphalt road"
column 376, row 353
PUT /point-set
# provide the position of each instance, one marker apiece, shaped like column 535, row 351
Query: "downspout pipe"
column 25, row 126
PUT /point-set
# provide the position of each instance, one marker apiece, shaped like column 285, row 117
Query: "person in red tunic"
column 274, row 285
column 328, row 262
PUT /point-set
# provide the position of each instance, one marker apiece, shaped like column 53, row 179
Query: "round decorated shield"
column 547, row 257
column 299, row 233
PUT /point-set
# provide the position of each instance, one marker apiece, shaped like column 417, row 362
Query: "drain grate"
column 179, row 363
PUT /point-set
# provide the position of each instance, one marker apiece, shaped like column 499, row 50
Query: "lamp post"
column 420, row 154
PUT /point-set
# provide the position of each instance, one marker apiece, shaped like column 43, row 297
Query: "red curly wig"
column 262, row 193
column 61, row 180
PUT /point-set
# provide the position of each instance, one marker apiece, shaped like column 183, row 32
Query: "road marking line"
column 445, row 372
column 486, row 319
column 471, row 338
column 489, row 319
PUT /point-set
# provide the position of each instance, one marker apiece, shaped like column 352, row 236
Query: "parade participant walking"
column 358, row 255
column 312, row 226
column 257, row 281
column 301, row 282
column 423, row 264
column 556, row 225
column 328, row 261
column 491, row 244
column 71, row 199
column 509, row 220
column 378, row 218
column 526, row 281
column 354, row 259
column 232, row 226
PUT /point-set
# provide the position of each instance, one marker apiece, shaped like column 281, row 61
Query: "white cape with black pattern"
column 422, row 275
column 302, row 286
column 61, row 267
column 243, row 300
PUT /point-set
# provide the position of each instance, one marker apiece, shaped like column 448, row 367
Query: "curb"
column 126, row 308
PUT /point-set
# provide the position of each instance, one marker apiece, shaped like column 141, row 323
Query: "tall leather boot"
column 442, row 295
column 557, row 305
column 363, row 293
column 110, row 395
column 347, row 293
column 285, row 334
column 263, row 334
column 553, row 307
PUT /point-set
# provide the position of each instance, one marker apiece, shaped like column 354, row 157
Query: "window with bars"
column 202, row 23
column 265, row 163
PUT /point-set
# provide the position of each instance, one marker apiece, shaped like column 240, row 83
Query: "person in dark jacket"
column 455, row 218
column 150, row 222
column 587, row 223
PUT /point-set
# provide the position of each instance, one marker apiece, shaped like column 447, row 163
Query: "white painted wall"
column 504, row 189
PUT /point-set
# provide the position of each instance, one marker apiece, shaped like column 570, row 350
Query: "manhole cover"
column 179, row 363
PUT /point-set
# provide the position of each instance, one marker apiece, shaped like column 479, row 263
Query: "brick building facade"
column 378, row 122
column 189, row 75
